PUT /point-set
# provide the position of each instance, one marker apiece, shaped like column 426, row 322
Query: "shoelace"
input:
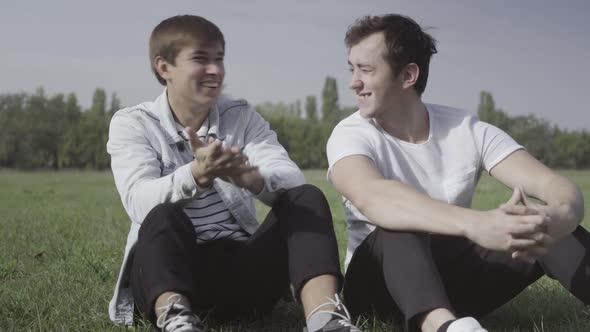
column 340, row 312
column 183, row 321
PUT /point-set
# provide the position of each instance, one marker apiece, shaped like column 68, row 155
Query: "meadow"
column 61, row 244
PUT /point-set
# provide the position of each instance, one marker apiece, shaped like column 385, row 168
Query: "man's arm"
column 564, row 201
column 137, row 173
column 393, row 205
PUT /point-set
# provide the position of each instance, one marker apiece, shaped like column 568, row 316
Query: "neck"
column 408, row 121
column 186, row 114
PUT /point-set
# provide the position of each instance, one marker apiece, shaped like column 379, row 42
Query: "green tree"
column 115, row 104
column 487, row 112
column 43, row 116
column 311, row 108
column 12, row 128
column 69, row 146
column 535, row 134
column 330, row 108
column 298, row 108
column 572, row 149
column 99, row 101
column 91, row 134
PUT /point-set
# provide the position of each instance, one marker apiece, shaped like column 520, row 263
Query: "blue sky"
column 533, row 56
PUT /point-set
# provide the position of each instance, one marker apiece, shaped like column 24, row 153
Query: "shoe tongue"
column 174, row 311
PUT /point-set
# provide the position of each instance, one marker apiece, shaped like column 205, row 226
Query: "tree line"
column 40, row 131
column 555, row 147
column 54, row 132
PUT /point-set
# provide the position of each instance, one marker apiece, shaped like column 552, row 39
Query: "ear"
column 162, row 67
column 410, row 75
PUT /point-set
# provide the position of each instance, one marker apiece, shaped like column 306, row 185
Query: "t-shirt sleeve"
column 494, row 144
column 347, row 141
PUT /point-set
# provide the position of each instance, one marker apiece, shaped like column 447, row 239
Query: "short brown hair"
column 405, row 41
column 176, row 32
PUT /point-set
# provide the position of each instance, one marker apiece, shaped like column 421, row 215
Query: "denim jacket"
column 148, row 160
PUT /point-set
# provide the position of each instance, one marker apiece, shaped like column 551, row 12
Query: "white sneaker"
column 177, row 317
column 466, row 324
column 340, row 321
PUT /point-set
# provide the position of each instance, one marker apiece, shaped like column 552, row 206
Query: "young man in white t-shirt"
column 408, row 171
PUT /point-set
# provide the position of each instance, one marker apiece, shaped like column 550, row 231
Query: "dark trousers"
column 400, row 275
column 225, row 278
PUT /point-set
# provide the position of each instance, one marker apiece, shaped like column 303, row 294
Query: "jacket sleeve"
column 137, row 169
column 264, row 150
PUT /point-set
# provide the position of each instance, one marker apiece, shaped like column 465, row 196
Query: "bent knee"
column 163, row 209
column 305, row 192
column 165, row 215
column 397, row 240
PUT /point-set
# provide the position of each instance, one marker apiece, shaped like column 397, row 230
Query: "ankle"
column 433, row 320
column 169, row 297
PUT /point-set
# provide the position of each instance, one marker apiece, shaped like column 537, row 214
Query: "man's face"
column 377, row 90
column 197, row 75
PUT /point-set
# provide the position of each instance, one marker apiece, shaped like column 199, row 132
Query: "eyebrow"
column 360, row 65
column 200, row 52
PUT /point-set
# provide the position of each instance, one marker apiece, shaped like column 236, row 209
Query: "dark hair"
column 176, row 32
column 405, row 41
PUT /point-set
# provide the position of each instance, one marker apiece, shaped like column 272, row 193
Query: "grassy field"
column 62, row 238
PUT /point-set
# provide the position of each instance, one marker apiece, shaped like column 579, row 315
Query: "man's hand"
column 556, row 228
column 214, row 160
column 513, row 228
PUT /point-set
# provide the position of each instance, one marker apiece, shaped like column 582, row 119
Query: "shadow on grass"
column 544, row 306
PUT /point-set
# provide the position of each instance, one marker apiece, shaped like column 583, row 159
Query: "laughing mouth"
column 363, row 96
column 212, row 85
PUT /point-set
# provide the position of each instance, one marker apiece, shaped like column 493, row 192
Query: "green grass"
column 62, row 238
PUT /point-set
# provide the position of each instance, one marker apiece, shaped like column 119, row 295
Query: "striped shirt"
column 209, row 215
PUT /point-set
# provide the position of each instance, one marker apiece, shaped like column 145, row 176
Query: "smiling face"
column 196, row 77
column 377, row 89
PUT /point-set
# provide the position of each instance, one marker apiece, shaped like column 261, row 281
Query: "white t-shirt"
column 446, row 167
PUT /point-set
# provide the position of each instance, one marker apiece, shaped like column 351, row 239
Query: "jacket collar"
column 167, row 121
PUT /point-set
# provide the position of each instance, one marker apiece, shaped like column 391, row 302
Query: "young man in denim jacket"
column 187, row 167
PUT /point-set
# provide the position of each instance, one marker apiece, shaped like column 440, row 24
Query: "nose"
column 214, row 68
column 355, row 83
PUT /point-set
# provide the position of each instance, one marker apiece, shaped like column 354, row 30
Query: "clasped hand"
column 214, row 160
column 518, row 226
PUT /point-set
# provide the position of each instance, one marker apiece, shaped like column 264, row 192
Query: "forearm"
column 274, row 183
column 396, row 206
column 143, row 193
column 564, row 201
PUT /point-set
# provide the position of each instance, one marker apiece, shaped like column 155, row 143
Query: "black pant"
column 400, row 275
column 227, row 278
